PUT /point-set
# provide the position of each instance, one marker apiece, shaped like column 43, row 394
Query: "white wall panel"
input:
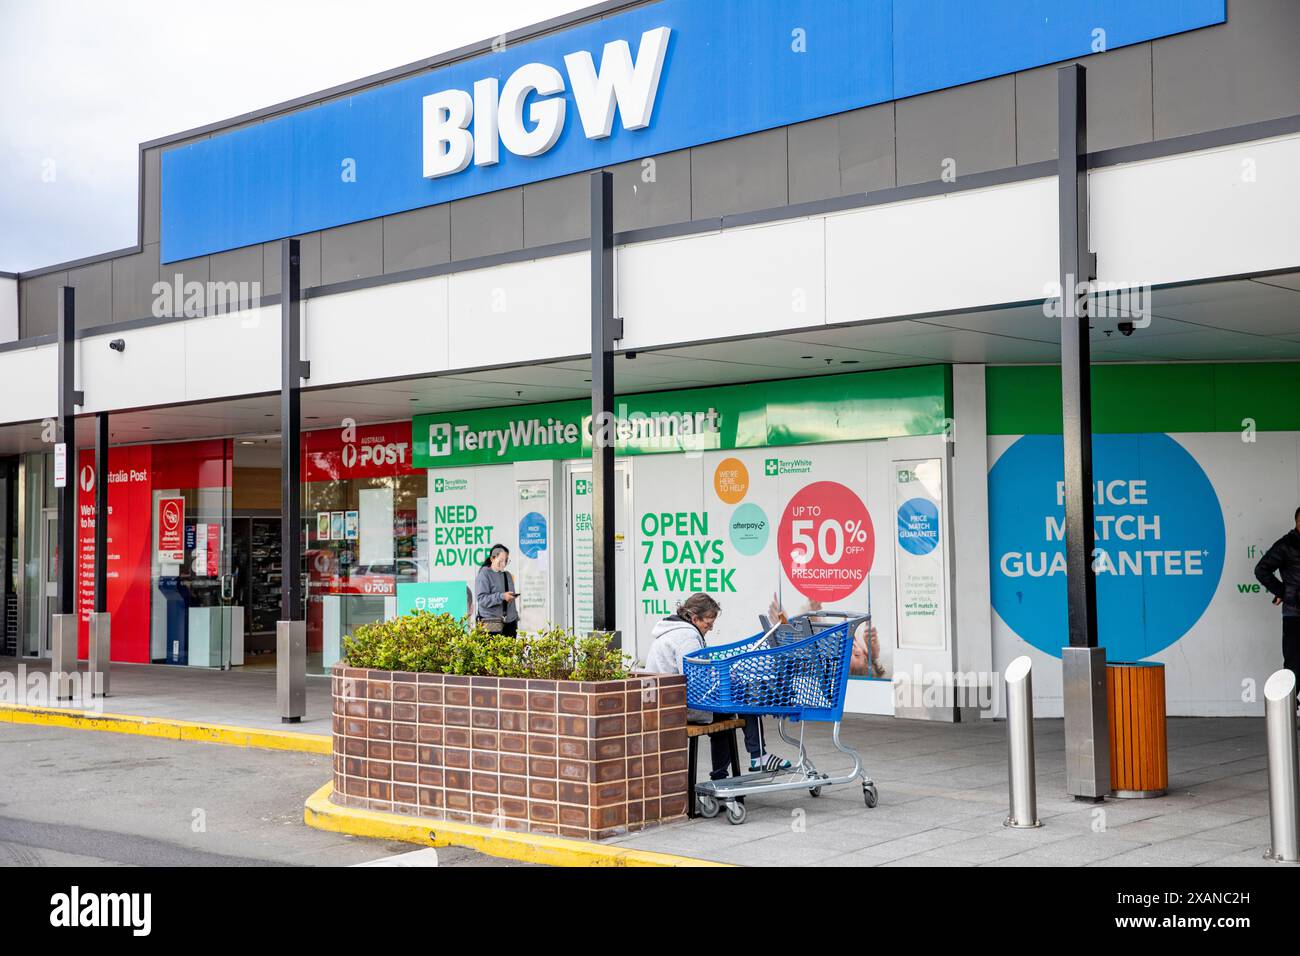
column 382, row 332
column 8, row 310
column 28, row 384
column 521, row 312
column 956, row 251
column 1193, row 216
column 742, row 281
column 151, row 371
column 235, row 354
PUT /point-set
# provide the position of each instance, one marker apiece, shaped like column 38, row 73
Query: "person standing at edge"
column 1279, row 571
column 496, row 603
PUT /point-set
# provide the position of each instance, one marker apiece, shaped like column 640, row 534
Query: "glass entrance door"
column 49, row 587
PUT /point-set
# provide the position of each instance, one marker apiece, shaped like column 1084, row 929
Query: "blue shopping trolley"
column 796, row 672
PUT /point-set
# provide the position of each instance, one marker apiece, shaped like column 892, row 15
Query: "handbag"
column 497, row 625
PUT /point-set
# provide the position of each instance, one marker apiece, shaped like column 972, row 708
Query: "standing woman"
column 496, row 602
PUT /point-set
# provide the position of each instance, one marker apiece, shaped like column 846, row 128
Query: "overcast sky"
column 84, row 82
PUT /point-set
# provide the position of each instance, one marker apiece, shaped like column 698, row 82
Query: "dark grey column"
column 99, row 651
column 63, row 637
column 1087, row 737
column 604, row 330
column 291, row 632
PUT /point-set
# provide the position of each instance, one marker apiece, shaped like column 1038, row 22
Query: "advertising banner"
column 469, row 510
column 436, row 597
column 791, row 529
column 1181, row 520
column 534, row 556
column 127, row 558
column 170, row 526
column 920, row 574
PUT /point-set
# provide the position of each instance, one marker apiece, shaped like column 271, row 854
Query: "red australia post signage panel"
column 364, row 451
column 127, row 556
column 171, row 530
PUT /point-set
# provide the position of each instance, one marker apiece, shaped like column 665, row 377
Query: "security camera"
column 1125, row 328
column 118, row 345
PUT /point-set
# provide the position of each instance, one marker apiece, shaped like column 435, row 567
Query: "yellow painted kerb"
column 167, row 728
column 323, row 814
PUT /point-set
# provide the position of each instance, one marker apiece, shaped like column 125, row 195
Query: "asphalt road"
column 83, row 798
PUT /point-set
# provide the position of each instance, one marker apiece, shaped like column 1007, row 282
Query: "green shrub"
column 441, row 644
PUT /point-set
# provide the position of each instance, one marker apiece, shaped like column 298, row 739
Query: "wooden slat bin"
column 1139, row 753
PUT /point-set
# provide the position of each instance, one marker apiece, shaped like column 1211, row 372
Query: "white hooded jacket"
column 674, row 638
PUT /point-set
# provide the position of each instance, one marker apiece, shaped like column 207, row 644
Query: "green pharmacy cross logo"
column 439, row 440
column 771, row 467
column 582, row 487
column 439, row 485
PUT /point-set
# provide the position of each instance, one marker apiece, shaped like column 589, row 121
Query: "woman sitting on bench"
column 682, row 633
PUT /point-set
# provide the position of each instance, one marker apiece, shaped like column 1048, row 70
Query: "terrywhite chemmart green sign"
column 853, row 407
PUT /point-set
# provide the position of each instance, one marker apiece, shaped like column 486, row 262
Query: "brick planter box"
column 571, row 758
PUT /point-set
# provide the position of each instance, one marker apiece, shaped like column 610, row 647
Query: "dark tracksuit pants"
column 753, row 743
column 1291, row 646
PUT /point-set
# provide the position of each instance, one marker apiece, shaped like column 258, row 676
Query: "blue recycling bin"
column 177, row 596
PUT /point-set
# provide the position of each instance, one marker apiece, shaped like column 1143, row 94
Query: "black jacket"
column 1284, row 556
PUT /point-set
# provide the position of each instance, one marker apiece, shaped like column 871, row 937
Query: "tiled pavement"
column 243, row 696
column 943, row 788
column 943, row 797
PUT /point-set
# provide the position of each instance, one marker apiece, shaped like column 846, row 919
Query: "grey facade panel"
column 867, row 149
column 557, row 210
column 133, row 282
column 488, row 224
column 152, row 190
column 355, row 251
column 421, row 237
column 1119, row 103
column 814, row 159
column 1244, row 71
column 970, row 129
column 239, row 265
column 654, row 191
column 94, row 285
column 838, row 155
column 40, row 305
column 309, row 275
column 740, row 175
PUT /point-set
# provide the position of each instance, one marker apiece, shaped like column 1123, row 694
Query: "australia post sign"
column 640, row 83
column 360, row 451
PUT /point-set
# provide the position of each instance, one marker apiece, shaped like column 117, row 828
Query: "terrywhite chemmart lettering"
column 498, row 114
column 73, row 909
column 638, row 427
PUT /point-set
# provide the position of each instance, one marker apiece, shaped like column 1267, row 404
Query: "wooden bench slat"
column 717, row 727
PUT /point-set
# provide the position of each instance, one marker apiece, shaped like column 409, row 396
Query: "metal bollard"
column 1020, row 742
column 99, row 652
column 291, row 670
column 63, row 655
column 1283, row 783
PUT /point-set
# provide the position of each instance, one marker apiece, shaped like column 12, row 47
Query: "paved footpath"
column 80, row 798
column 943, row 797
